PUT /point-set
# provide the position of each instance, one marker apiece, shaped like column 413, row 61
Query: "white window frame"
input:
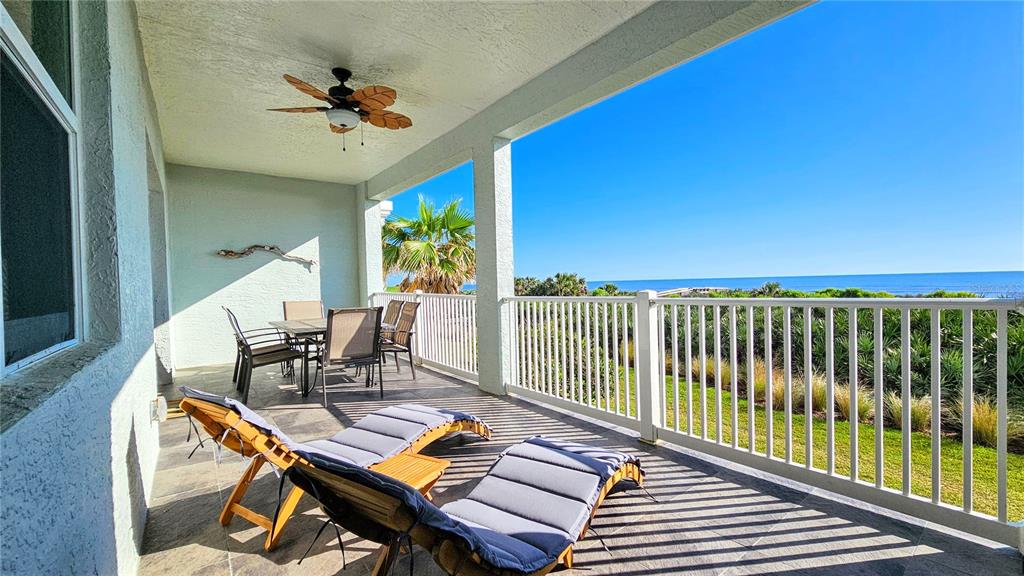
column 17, row 49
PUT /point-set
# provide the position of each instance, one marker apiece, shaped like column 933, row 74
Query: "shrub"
column 985, row 422
column 920, row 411
column 726, row 371
column 818, row 392
column 865, row 403
column 984, row 418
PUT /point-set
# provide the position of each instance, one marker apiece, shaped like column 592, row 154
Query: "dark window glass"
column 47, row 27
column 35, row 221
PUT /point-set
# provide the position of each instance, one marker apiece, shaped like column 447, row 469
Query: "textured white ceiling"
column 216, row 66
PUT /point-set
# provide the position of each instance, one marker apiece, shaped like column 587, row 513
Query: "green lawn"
column 892, row 442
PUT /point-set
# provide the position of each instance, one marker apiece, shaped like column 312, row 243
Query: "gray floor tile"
column 697, row 519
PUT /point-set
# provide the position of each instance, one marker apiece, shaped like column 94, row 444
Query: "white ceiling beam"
column 661, row 37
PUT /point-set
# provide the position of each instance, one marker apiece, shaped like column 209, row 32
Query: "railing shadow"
column 705, row 520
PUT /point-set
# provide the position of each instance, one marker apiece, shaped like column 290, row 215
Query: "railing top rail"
column 928, row 303
column 896, row 302
column 424, row 295
column 569, row 299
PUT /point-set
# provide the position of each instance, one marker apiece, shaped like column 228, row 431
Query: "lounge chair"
column 521, row 519
column 370, row 442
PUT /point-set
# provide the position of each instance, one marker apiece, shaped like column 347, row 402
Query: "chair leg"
column 238, row 360
column 283, row 515
column 386, row 559
column 243, row 485
column 243, row 367
column 380, row 370
column 247, row 376
column 412, row 366
column 398, row 365
column 323, row 383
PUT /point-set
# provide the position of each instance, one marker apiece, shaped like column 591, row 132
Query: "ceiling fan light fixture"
column 343, row 117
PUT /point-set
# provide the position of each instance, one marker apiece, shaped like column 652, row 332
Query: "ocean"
column 986, row 284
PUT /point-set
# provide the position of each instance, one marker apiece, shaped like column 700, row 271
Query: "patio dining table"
column 306, row 331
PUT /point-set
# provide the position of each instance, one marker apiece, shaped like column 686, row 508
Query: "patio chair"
column 268, row 334
column 352, row 341
column 303, row 309
column 521, row 519
column 255, row 351
column 400, row 341
column 368, row 443
column 392, row 312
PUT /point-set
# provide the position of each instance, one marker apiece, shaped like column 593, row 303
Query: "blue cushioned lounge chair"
column 371, row 441
column 521, row 519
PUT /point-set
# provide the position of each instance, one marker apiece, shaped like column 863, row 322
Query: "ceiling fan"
column 348, row 108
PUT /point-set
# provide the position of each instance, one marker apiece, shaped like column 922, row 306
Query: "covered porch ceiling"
column 464, row 72
column 215, row 67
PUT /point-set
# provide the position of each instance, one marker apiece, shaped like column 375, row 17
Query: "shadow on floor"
column 706, row 519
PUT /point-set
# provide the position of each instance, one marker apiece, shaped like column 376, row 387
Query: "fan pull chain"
column 361, row 143
column 343, row 142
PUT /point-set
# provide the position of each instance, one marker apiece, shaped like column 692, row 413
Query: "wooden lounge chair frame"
column 449, row 553
column 231, row 431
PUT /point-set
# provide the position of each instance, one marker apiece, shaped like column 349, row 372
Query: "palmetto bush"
column 950, row 353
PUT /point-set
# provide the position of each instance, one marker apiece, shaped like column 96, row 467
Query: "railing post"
column 421, row 329
column 649, row 401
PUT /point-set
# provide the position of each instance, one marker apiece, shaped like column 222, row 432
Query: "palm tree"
column 435, row 250
column 526, row 286
column 565, row 284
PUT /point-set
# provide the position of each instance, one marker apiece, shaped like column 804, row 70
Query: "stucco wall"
column 210, row 210
column 79, row 450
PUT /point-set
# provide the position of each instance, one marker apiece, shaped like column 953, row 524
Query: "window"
column 46, row 27
column 38, row 184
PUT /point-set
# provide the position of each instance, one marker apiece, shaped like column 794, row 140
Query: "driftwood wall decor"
column 266, row 248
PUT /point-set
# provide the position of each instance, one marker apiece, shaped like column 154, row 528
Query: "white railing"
column 577, row 351
column 801, row 350
column 770, row 383
column 445, row 329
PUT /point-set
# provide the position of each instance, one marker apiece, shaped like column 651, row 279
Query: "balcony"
column 715, row 505
column 172, row 187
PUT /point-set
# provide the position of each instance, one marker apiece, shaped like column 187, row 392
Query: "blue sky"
column 849, row 138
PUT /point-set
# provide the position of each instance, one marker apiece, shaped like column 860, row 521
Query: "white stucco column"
column 492, row 189
column 370, row 216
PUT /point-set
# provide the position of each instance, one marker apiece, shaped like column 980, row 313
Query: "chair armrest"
column 259, row 341
column 261, row 330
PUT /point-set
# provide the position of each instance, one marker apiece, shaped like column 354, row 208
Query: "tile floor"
column 707, row 519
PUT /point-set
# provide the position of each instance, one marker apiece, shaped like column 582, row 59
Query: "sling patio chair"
column 522, row 518
column 400, row 341
column 303, row 309
column 391, row 316
column 271, row 341
column 352, row 341
column 372, row 442
column 253, row 353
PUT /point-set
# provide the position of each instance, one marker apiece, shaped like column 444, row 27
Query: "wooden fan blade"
column 308, row 89
column 388, row 119
column 306, row 109
column 341, row 130
column 374, row 97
